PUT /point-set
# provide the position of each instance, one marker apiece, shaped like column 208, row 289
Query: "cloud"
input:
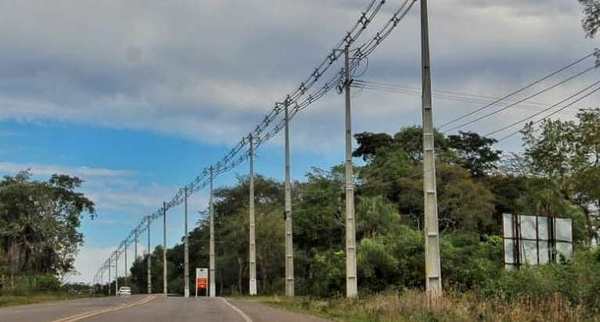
column 87, row 263
column 47, row 170
column 211, row 71
column 112, row 190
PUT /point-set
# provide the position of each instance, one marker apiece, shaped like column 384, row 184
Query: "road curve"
column 154, row 308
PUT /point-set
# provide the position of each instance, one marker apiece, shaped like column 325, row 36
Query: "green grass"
column 11, row 300
column 413, row 306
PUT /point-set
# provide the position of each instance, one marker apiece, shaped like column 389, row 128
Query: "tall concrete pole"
column 351, row 280
column 135, row 245
column 116, row 273
column 109, row 277
column 212, row 290
column 186, row 249
column 289, row 238
column 149, row 263
column 252, row 244
column 165, row 248
column 125, row 268
column 433, row 272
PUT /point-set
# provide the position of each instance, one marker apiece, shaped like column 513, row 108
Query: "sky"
column 137, row 97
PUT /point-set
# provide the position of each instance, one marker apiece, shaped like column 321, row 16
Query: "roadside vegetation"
column 556, row 175
column 413, row 306
column 39, row 237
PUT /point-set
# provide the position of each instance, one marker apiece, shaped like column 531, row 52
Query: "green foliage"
column 577, row 280
column 329, row 275
column 469, row 262
column 38, row 225
column 370, row 144
column 472, row 195
column 475, row 153
column 567, row 155
column 377, row 265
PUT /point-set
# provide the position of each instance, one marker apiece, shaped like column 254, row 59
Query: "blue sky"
column 138, row 97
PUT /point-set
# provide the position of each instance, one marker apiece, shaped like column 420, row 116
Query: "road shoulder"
column 260, row 312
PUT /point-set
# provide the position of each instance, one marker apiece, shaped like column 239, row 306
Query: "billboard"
column 536, row 240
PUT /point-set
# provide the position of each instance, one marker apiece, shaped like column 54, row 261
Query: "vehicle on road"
column 124, row 291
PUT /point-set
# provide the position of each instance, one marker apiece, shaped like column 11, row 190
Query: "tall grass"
column 414, row 306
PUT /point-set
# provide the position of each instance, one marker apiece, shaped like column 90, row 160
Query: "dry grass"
column 414, row 306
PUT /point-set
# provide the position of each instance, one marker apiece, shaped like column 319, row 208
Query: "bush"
column 47, row 282
column 329, row 274
column 577, row 280
column 467, row 261
column 27, row 284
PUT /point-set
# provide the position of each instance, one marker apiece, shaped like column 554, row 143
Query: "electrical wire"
column 239, row 153
column 523, row 100
column 542, row 111
column 454, row 96
column 552, row 114
column 530, row 85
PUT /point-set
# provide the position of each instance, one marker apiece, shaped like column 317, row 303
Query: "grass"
column 413, row 306
column 12, row 300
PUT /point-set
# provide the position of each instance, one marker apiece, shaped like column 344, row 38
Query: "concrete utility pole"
column 186, row 249
column 211, row 247
column 149, row 251
column 125, row 268
column 433, row 271
column 109, row 277
column 289, row 238
column 252, row 257
column 351, row 280
column 165, row 248
column 116, row 273
column 135, row 245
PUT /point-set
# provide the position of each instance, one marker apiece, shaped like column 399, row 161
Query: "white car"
column 124, row 291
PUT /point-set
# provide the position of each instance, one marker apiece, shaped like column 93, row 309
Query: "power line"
column 440, row 94
column 553, row 113
column 523, row 100
column 239, row 153
column 358, row 56
column 520, row 90
column 544, row 110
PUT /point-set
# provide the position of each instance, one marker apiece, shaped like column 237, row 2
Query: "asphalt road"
column 154, row 308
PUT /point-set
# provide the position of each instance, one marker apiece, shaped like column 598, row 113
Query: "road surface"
column 151, row 308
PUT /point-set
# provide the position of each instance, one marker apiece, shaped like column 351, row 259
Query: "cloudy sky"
column 138, row 96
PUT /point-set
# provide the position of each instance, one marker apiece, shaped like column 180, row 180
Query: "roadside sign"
column 201, row 280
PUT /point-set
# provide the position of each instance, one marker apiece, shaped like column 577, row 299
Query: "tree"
column 410, row 140
column 475, row 152
column 39, row 222
column 591, row 20
column 568, row 154
column 370, row 143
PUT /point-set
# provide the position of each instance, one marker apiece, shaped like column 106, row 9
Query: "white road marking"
column 85, row 315
column 240, row 312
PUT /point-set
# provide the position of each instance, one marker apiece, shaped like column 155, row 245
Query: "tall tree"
column 39, row 223
column 568, row 153
column 370, row 143
column 475, row 152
